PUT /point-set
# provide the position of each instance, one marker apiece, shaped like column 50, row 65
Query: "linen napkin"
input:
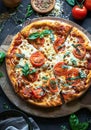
column 10, row 122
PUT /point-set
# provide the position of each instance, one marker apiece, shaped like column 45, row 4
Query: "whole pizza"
column 49, row 63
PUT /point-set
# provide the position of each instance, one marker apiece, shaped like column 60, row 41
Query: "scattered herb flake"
column 59, row 47
column 45, row 78
column 66, row 54
column 65, row 66
column 74, row 78
column 74, row 62
column 20, row 55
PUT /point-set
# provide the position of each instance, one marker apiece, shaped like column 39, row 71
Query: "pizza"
column 49, row 63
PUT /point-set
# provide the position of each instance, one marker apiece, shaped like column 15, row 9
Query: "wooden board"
column 54, row 112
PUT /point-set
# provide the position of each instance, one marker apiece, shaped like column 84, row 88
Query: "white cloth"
column 17, row 123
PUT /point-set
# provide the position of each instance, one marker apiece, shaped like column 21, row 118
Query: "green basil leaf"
column 74, row 121
column 2, row 56
column 83, row 126
column 34, row 36
column 46, row 32
column 82, row 74
column 26, row 69
column 71, row 2
column 32, row 71
column 75, row 124
column 41, row 35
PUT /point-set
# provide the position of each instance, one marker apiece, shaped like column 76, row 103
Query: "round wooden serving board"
column 53, row 112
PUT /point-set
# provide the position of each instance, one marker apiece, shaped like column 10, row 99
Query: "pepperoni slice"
column 79, row 51
column 38, row 92
column 73, row 76
column 37, row 59
column 58, row 45
column 59, row 69
column 26, row 92
column 53, row 86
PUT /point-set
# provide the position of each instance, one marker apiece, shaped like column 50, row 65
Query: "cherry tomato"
column 53, row 85
column 87, row 4
column 37, row 59
column 38, row 92
column 79, row 13
column 59, row 70
column 72, row 76
column 79, row 51
column 26, row 92
column 58, row 45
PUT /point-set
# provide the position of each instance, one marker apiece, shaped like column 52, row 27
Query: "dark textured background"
column 10, row 26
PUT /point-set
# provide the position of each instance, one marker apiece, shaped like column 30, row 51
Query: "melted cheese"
column 69, row 48
column 48, row 49
column 27, row 49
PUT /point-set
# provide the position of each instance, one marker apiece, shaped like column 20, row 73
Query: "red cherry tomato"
column 59, row 70
column 37, row 59
column 52, row 83
column 79, row 13
column 87, row 4
column 80, row 51
column 38, row 93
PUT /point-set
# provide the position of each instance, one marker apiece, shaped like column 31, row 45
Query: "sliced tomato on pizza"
column 76, row 52
column 73, row 82
column 37, row 59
